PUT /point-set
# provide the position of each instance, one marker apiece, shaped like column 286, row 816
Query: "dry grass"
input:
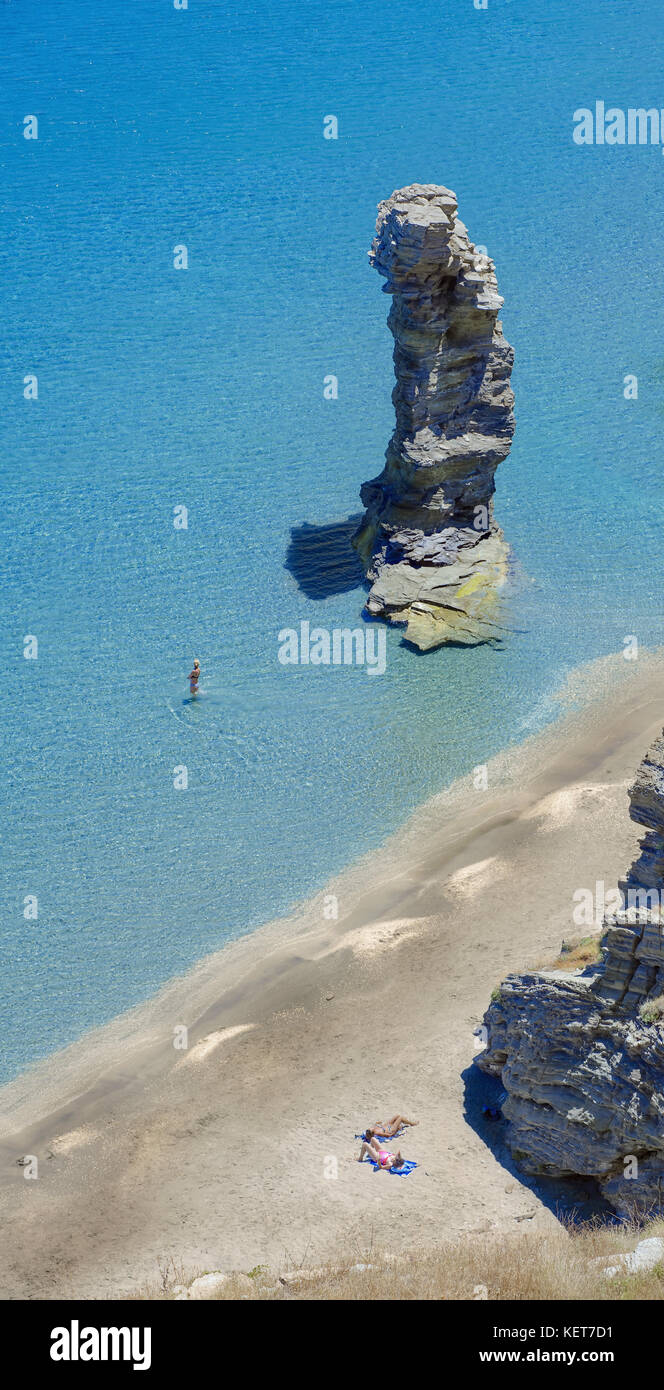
column 652, row 1011
column 558, row 1263
column 575, row 955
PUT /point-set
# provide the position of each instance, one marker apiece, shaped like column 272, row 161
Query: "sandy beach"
column 239, row 1150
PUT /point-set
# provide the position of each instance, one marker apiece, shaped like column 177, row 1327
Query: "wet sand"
column 239, row 1149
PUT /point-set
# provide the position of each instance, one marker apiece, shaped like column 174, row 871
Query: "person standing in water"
column 194, row 677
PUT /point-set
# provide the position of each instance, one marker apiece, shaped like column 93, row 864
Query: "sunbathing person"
column 388, row 1128
column 380, row 1156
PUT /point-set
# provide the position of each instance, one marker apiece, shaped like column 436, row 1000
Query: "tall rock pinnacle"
column 428, row 541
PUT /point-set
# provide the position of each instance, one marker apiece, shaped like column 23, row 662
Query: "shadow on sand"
column 322, row 560
column 573, row 1199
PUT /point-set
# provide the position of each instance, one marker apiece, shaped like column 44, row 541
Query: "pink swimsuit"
column 384, row 1157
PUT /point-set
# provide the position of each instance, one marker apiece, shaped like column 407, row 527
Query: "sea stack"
column 582, row 1056
column 434, row 555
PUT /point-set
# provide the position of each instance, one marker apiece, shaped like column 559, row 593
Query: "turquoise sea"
column 161, row 388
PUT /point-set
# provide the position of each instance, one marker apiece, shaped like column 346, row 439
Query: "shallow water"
column 161, row 388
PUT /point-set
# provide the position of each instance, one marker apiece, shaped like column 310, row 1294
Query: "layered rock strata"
column 434, row 555
column 582, row 1057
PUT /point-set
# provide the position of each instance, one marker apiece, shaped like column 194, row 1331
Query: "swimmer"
column 194, row 678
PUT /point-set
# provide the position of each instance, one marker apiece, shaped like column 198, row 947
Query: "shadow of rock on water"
column 322, row 560
column 576, row 1200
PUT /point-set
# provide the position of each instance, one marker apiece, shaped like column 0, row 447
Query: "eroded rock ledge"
column 582, row 1057
column 431, row 548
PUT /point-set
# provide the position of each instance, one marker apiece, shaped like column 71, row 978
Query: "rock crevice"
column 434, row 555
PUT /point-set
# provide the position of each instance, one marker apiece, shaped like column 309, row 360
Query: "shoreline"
column 475, row 884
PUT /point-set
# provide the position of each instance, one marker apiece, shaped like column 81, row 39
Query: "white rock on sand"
column 206, row 1286
column 647, row 1255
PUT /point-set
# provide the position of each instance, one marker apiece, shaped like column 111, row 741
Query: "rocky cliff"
column 582, row 1056
column 432, row 551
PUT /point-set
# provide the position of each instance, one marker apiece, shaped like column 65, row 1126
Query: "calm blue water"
column 203, row 388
